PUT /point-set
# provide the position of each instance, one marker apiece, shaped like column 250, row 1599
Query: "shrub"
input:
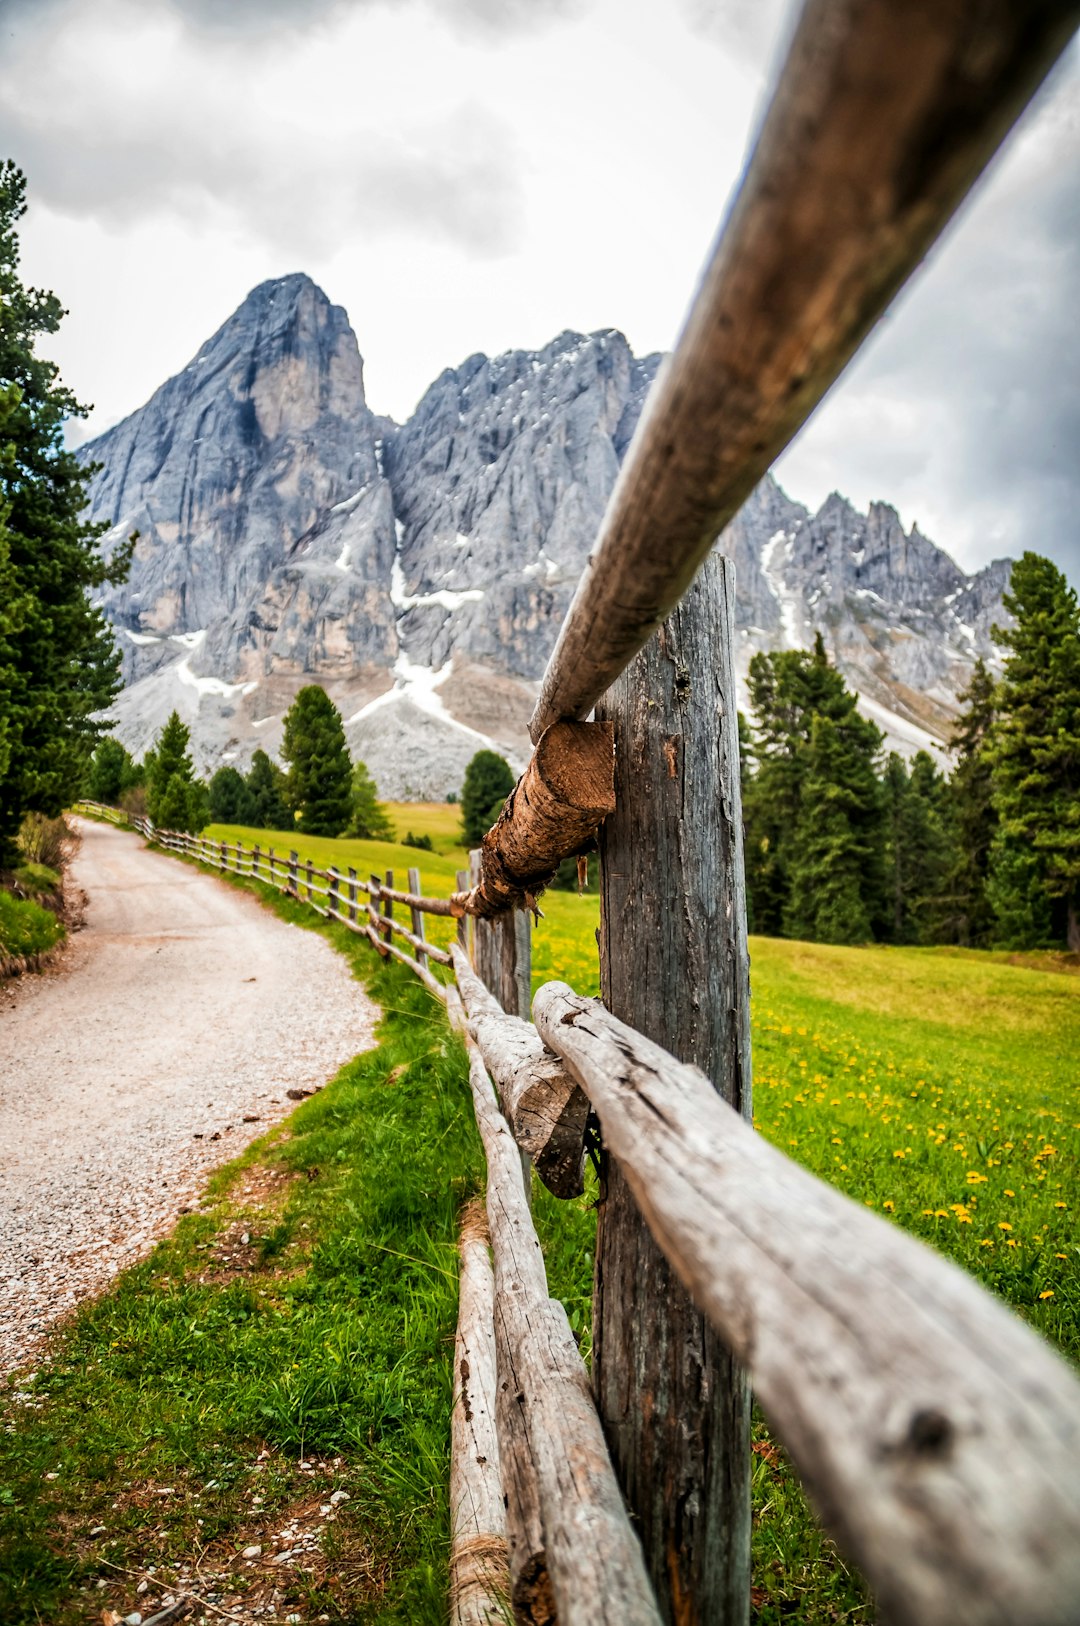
column 489, row 779
column 424, row 843
column 45, row 841
column 26, row 928
column 37, row 880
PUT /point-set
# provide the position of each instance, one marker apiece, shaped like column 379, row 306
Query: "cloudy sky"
column 469, row 175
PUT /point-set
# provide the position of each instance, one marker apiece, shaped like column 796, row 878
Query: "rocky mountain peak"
column 420, row 572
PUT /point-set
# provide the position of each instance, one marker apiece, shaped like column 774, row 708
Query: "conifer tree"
column 368, row 819
column 837, row 861
column 265, row 786
column 59, row 667
column 229, row 799
column 919, row 850
column 175, row 799
column 111, row 772
column 318, row 786
column 1035, row 756
column 489, row 780
column 973, row 814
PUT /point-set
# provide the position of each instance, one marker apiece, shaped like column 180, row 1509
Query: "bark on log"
column 545, row 1106
column 673, row 964
column 502, row 951
column 938, row 1436
column 884, row 117
column 479, row 1566
column 594, row 1561
column 553, row 812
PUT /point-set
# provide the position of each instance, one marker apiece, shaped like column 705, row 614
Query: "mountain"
column 420, row 572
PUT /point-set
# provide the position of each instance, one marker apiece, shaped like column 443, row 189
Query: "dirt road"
column 184, row 1008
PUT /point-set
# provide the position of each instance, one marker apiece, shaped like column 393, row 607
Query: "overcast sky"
column 469, row 175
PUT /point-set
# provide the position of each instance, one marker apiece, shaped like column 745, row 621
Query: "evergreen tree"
column 1035, row 758
column 368, row 819
column 919, row 849
column 59, row 667
column 229, row 799
column 488, row 782
column 837, row 860
column 789, row 691
column 109, row 773
column 319, row 781
column 973, row 814
column 265, row 784
column 175, row 800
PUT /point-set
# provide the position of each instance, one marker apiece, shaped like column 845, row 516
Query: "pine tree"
column 368, row 819
column 59, row 667
column 175, row 799
column 973, row 814
column 919, row 849
column 789, row 691
column 265, row 785
column 488, row 782
column 1035, row 757
column 319, row 782
column 837, row 859
column 229, row 799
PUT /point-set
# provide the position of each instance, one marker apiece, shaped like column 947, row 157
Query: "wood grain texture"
column 938, row 1436
column 416, row 915
column 592, row 1556
column 479, row 1565
column 882, row 120
column 545, row 1106
column 673, row 963
column 553, row 812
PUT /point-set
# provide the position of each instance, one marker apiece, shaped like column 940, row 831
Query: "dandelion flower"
column 890, row 1205
column 1049, row 1293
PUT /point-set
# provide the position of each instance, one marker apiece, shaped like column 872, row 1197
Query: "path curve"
column 182, row 1007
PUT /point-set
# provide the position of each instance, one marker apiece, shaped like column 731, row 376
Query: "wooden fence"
column 937, row 1435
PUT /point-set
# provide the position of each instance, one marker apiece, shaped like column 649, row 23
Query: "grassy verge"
column 26, row 929
column 291, row 1341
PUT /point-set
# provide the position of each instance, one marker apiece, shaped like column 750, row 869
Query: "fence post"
column 333, row 902
column 501, row 953
column 464, row 925
column 417, row 917
column 388, row 908
column 310, row 892
column 239, row 856
column 373, row 912
column 674, row 964
column 255, row 859
column 352, row 893
column 294, row 878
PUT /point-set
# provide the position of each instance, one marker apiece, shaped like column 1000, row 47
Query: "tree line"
column 844, row 845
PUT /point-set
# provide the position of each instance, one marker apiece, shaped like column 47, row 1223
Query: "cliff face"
column 421, row 572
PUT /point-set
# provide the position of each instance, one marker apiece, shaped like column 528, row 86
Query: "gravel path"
column 181, row 1015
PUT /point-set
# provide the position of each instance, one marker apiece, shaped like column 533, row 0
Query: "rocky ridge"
column 420, row 572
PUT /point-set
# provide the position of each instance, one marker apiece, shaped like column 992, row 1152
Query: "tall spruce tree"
column 175, row 800
column 973, row 815
column 919, row 849
column 1035, row 757
column 836, row 868
column 318, row 785
column 229, row 799
column 489, row 779
column 790, row 691
column 368, row 819
column 265, row 784
column 59, row 667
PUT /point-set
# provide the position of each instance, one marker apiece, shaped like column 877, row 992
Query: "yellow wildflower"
column 889, row 1204
column 1048, row 1294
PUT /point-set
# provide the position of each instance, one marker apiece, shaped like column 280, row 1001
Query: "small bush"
column 25, row 928
column 424, row 843
column 45, row 841
column 37, row 880
column 133, row 801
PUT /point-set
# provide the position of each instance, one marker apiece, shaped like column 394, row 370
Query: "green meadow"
column 936, row 1086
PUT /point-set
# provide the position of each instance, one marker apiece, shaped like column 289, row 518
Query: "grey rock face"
column 421, row 572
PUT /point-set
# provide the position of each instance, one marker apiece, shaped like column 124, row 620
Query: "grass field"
column 937, row 1087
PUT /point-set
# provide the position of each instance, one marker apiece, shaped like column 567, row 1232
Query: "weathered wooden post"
column 224, row 855
column 417, row 918
column 333, row 884
column 502, row 953
column 352, row 894
column 388, row 908
column 294, row 876
column 310, row 890
column 674, row 964
column 464, row 925
column 255, row 859
column 239, row 856
column 374, row 909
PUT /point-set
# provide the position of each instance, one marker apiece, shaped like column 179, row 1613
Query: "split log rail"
column 938, row 1436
